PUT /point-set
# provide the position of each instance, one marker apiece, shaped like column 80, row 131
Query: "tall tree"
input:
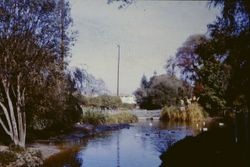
column 161, row 90
column 144, row 82
column 87, row 83
column 187, row 60
column 231, row 36
column 208, row 75
column 171, row 67
column 29, row 56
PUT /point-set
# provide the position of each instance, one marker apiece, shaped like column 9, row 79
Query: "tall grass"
column 122, row 117
column 193, row 113
column 95, row 117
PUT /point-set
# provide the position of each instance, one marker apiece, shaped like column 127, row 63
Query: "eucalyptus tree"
column 30, row 56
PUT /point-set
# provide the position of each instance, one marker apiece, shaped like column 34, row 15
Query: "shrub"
column 127, row 106
column 104, row 101
column 193, row 113
column 169, row 113
column 96, row 117
column 93, row 117
column 159, row 91
column 7, row 157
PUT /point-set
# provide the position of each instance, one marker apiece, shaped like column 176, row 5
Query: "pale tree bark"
column 20, row 117
column 9, row 132
column 15, row 124
column 4, row 127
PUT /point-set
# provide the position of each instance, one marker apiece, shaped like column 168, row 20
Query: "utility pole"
column 118, row 70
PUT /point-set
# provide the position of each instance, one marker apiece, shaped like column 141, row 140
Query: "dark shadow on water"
column 215, row 148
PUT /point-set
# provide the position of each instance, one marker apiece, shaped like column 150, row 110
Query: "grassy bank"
column 100, row 118
column 193, row 113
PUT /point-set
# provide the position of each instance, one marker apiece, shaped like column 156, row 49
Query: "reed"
column 96, row 117
column 193, row 113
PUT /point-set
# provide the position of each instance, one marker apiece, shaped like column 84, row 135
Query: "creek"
column 139, row 145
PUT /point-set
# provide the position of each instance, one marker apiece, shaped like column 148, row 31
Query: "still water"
column 137, row 146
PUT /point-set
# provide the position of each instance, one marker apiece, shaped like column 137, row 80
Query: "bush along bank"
column 191, row 113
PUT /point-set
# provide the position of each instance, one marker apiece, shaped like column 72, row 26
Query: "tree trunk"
column 9, row 132
column 12, row 114
column 15, row 125
column 19, row 114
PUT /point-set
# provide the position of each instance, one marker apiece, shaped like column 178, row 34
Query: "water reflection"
column 65, row 158
column 140, row 145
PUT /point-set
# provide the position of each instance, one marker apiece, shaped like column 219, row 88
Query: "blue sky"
column 149, row 32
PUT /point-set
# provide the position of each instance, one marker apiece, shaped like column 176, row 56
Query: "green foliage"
column 7, row 157
column 186, row 58
column 104, row 101
column 214, row 78
column 93, row 117
column 193, row 113
column 87, row 83
column 33, row 48
column 210, row 76
column 160, row 91
column 57, row 109
column 218, row 64
column 122, row 117
column 96, row 117
column 168, row 113
column 127, row 106
column 230, row 40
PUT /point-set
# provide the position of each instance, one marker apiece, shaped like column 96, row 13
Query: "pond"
column 139, row 145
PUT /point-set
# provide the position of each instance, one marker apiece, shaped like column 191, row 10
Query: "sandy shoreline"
column 45, row 149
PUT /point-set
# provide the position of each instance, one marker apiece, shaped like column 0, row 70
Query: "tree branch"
column 6, row 115
column 13, row 91
column 4, row 127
